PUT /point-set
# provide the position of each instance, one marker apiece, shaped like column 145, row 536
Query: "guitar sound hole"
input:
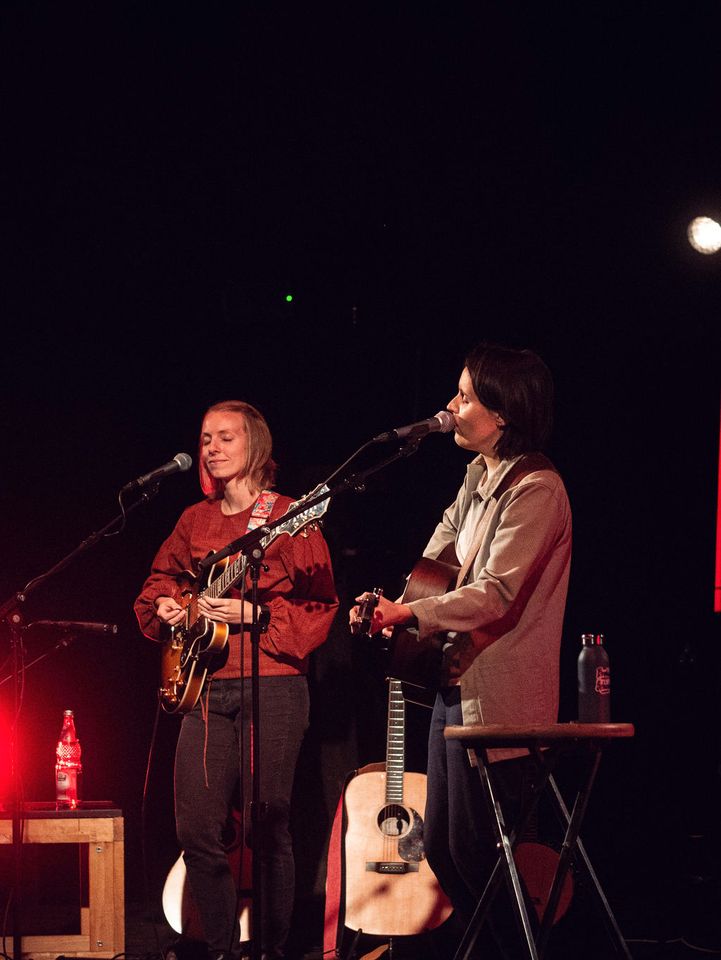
column 394, row 821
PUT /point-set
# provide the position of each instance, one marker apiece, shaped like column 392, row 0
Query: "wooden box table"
column 97, row 827
column 547, row 743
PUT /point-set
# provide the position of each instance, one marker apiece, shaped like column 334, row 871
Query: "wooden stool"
column 99, row 826
column 546, row 743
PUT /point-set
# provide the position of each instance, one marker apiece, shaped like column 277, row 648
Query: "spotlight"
column 704, row 235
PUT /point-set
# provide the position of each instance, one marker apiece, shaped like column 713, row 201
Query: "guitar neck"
column 396, row 742
column 235, row 570
column 232, row 573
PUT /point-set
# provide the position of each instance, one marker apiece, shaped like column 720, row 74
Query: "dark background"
column 417, row 179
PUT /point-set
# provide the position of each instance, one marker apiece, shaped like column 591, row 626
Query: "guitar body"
column 403, row 900
column 389, row 888
column 410, row 659
column 189, row 649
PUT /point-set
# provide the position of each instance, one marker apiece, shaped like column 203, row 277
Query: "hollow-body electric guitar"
column 390, row 889
column 191, row 646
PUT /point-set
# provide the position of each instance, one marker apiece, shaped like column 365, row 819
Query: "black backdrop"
column 416, row 180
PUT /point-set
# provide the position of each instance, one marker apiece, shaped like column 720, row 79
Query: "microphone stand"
column 251, row 546
column 319, row 494
column 11, row 616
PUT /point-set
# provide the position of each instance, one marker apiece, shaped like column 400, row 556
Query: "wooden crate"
column 102, row 921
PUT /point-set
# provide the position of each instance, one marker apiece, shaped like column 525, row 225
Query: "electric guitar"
column 191, row 647
column 390, row 889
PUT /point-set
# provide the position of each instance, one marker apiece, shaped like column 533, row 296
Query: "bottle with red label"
column 68, row 767
column 594, row 680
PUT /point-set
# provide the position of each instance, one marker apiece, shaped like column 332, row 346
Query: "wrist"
column 409, row 618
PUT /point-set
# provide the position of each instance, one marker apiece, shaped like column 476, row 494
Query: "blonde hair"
column 260, row 468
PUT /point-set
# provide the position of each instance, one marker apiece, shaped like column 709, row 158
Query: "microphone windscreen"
column 184, row 460
column 446, row 420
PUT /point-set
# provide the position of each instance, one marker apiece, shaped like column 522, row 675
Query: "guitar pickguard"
column 410, row 847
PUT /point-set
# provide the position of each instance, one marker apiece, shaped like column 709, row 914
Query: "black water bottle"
column 594, row 681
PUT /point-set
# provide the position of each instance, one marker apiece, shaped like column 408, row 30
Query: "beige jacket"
column 509, row 604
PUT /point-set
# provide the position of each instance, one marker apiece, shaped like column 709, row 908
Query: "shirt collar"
column 482, row 486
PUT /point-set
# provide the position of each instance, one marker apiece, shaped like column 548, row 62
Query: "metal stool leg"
column 572, row 845
column 505, row 867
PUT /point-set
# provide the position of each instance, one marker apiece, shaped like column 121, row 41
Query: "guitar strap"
column 525, row 465
column 262, row 509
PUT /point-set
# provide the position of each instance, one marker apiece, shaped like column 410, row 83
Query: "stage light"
column 704, row 235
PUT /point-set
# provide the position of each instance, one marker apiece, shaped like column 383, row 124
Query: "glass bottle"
column 68, row 766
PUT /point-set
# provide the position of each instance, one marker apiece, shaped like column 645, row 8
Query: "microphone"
column 74, row 626
column 442, row 422
column 181, row 461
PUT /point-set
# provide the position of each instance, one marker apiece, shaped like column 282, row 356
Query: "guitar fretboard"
column 228, row 577
column 395, row 746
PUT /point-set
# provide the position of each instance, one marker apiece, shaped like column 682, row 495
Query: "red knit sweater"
column 297, row 588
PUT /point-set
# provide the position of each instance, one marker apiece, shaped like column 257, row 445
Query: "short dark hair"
column 260, row 468
column 518, row 385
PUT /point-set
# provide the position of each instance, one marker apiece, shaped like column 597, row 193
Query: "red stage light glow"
column 717, row 578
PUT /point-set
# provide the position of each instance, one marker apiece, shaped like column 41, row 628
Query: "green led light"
column 289, row 298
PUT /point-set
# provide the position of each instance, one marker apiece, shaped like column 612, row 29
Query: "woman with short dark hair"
column 509, row 530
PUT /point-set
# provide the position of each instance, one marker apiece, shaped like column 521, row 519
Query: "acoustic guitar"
column 406, row 657
column 190, row 649
column 390, row 889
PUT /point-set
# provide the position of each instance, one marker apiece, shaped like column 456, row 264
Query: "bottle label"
column 603, row 680
column 66, row 787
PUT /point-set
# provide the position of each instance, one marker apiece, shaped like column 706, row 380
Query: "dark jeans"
column 202, row 810
column 458, row 833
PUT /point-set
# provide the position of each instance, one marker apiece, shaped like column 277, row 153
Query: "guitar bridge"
column 390, row 866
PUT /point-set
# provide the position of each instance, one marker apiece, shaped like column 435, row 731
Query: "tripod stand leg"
column 572, row 842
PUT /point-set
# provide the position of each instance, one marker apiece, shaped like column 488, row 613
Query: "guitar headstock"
column 305, row 517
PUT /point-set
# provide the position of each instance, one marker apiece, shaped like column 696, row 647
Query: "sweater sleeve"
column 171, row 562
column 300, row 619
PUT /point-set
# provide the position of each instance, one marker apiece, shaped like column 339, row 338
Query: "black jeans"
column 458, row 832
column 202, row 810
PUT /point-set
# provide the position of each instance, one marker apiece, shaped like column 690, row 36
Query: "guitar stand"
column 546, row 743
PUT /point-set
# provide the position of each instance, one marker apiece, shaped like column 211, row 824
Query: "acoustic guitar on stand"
column 190, row 648
column 390, row 889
